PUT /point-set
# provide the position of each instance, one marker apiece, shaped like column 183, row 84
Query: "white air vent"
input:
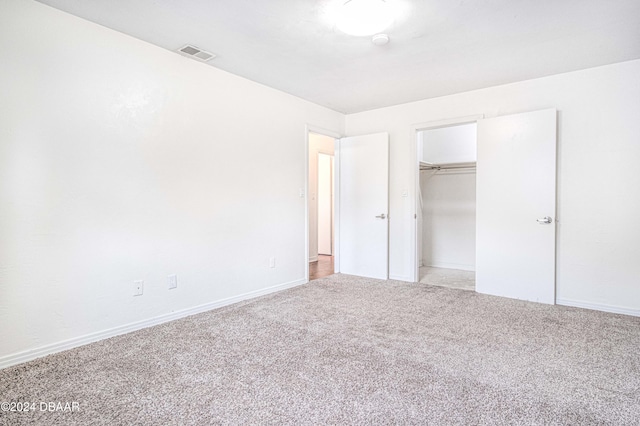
column 196, row 53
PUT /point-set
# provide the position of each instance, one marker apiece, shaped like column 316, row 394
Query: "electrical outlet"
column 272, row 262
column 173, row 281
column 138, row 287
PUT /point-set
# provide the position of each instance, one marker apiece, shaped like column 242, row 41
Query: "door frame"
column 309, row 128
column 414, row 130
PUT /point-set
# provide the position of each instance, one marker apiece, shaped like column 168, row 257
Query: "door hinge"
column 415, row 215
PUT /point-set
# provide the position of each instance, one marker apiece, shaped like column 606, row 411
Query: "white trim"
column 336, row 206
column 320, row 131
column 400, row 278
column 458, row 266
column 429, row 125
column 307, row 130
column 31, row 354
column 414, row 129
column 598, row 307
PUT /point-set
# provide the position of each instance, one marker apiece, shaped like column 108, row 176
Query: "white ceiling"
column 438, row 47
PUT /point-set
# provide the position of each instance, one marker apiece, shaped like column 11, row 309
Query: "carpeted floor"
column 347, row 350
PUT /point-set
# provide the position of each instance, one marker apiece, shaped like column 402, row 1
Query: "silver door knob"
column 545, row 220
column 382, row 216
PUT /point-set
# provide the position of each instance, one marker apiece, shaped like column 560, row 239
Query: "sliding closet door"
column 516, row 205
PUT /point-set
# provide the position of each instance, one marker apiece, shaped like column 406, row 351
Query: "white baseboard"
column 313, row 259
column 400, row 278
column 599, row 307
column 458, row 266
column 31, row 354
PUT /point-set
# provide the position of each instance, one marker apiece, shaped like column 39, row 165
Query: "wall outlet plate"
column 138, row 287
column 173, row 281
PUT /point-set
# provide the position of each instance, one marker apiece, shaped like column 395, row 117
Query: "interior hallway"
column 323, row 267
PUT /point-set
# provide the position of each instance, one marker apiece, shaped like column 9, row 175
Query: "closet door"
column 516, row 206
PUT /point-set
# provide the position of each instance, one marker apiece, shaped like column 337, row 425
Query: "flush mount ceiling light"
column 363, row 17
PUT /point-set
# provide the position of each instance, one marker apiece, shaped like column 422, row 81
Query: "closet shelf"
column 446, row 166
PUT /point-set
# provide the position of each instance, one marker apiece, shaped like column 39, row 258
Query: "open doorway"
column 514, row 205
column 321, row 205
column 446, row 211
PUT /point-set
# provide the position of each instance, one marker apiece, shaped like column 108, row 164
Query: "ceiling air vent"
column 196, row 53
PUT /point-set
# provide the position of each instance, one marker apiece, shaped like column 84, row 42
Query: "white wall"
column 449, row 219
column 325, row 204
column 598, row 178
column 121, row 161
column 453, row 144
column 317, row 143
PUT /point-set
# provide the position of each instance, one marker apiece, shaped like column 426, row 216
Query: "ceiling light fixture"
column 363, row 17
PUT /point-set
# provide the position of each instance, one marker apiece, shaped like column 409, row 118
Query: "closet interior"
column 447, row 206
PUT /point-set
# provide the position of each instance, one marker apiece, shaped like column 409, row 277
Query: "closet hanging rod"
column 449, row 166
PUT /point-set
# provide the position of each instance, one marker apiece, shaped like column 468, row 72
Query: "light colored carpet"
column 444, row 277
column 347, row 350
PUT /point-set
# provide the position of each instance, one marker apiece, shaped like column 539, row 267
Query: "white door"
column 325, row 204
column 363, row 163
column 516, row 206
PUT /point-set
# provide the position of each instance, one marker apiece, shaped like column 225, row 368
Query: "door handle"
column 382, row 216
column 545, row 220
